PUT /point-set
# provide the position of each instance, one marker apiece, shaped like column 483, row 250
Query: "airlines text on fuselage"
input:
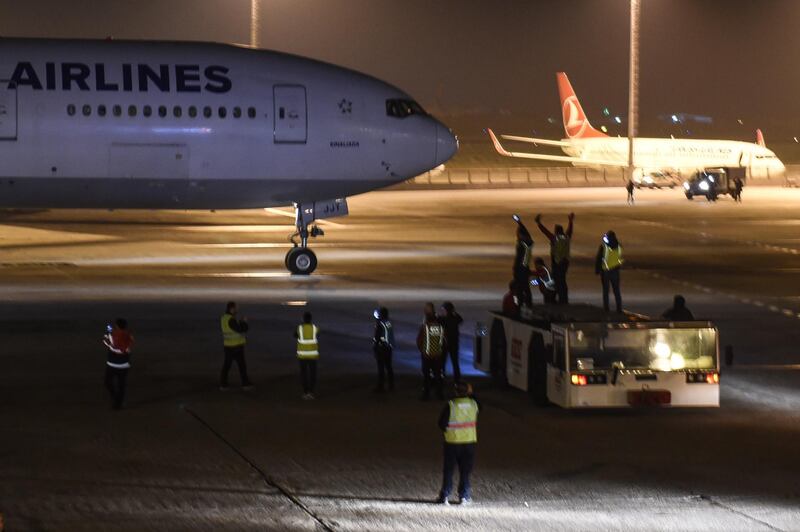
column 126, row 77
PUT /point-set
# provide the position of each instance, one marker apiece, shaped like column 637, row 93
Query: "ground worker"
column 234, row 330
column 430, row 342
column 118, row 341
column 451, row 320
column 607, row 264
column 307, row 335
column 678, row 311
column 383, row 344
column 458, row 420
column 522, row 263
column 511, row 301
column 559, row 254
column 629, row 188
column 545, row 282
column 737, row 190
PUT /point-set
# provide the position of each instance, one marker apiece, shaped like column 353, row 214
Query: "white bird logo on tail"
column 574, row 123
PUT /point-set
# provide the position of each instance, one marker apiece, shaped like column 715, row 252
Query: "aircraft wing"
column 532, row 140
column 545, row 157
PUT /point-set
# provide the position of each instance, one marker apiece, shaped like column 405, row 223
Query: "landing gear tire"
column 690, row 196
column 301, row 261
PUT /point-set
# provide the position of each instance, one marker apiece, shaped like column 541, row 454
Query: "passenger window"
column 251, row 112
column 147, row 110
column 237, row 112
column 177, row 111
column 117, row 110
column 222, row 112
column 101, row 110
column 192, row 111
column 207, row 112
column 131, row 110
column 71, row 110
column 87, row 110
column 162, row 111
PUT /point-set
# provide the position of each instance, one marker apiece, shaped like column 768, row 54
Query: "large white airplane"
column 173, row 125
column 587, row 147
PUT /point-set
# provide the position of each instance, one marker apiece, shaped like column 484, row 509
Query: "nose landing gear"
column 300, row 260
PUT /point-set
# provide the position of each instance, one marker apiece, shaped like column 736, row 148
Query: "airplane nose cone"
column 446, row 144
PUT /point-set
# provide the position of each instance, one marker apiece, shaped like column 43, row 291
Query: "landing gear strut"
column 300, row 260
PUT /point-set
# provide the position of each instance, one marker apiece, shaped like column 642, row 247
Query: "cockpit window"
column 400, row 108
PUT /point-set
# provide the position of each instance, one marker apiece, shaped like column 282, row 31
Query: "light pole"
column 633, row 82
column 255, row 16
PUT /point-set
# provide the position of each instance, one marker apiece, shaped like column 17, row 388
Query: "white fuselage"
column 678, row 155
column 126, row 124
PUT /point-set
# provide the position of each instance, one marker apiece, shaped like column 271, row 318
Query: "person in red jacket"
column 118, row 341
column 511, row 301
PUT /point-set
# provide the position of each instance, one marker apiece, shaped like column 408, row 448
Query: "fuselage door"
column 8, row 111
column 291, row 122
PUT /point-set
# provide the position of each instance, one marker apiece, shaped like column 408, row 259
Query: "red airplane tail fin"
column 576, row 125
column 760, row 139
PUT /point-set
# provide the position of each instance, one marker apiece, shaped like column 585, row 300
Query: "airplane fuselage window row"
column 162, row 111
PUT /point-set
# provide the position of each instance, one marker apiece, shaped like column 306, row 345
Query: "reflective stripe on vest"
column 434, row 335
column 307, row 346
column 612, row 258
column 559, row 250
column 526, row 256
column 462, row 426
column 548, row 281
column 230, row 338
column 386, row 336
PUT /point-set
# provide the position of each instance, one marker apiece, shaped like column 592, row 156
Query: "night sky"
column 475, row 61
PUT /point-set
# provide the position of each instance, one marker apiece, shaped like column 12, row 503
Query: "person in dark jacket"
column 451, row 320
column 383, row 344
column 629, row 188
column 559, row 254
column 119, row 342
column 234, row 331
column 607, row 265
column 738, row 185
column 678, row 311
column 522, row 265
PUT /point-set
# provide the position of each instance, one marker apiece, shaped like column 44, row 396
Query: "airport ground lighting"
column 633, row 82
column 255, row 20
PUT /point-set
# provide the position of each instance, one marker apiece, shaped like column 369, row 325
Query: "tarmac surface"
column 183, row 455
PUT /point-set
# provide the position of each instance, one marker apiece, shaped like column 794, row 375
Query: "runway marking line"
column 764, row 245
column 269, row 481
column 745, row 300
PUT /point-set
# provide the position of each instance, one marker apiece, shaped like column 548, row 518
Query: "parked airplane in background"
column 171, row 125
column 587, row 147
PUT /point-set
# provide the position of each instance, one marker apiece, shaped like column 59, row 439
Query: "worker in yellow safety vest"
column 307, row 335
column 431, row 344
column 458, row 420
column 234, row 330
column 607, row 265
column 559, row 254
